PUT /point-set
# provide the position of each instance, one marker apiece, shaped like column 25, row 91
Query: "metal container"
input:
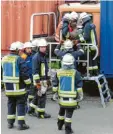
column 106, row 47
column 15, row 16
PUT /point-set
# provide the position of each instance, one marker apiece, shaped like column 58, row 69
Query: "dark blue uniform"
column 15, row 78
column 90, row 36
column 65, row 29
column 68, row 83
column 40, row 75
column 75, row 54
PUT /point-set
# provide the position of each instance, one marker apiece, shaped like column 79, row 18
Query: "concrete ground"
column 90, row 119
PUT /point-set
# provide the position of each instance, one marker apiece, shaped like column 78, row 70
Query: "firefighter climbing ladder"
column 101, row 81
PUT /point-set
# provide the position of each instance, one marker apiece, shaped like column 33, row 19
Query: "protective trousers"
column 41, row 103
column 38, row 103
column 67, row 119
column 19, row 103
column 93, row 67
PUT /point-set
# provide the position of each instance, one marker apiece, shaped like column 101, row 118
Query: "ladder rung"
column 81, row 61
column 105, row 91
column 102, row 85
column 107, row 99
column 54, row 59
column 101, row 76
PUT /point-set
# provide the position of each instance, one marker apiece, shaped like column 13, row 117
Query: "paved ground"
column 90, row 119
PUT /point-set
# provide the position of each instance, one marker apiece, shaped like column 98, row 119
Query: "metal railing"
column 87, row 46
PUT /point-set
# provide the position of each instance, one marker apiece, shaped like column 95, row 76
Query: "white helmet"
column 20, row 45
column 68, row 59
column 27, row 44
column 74, row 16
column 67, row 16
column 83, row 15
column 16, row 46
column 42, row 42
column 35, row 43
column 68, row 44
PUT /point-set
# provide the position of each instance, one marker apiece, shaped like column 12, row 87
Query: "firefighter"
column 68, row 83
column 28, row 60
column 41, row 79
column 15, row 78
column 68, row 48
column 63, row 25
column 90, row 36
column 65, row 28
column 73, row 24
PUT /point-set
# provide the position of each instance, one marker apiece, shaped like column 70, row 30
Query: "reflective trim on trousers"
column 32, row 105
column 41, row 109
column 60, row 117
column 11, row 116
column 21, row 117
column 68, row 120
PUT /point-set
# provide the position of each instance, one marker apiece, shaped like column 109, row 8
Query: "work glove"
column 39, row 93
column 43, row 89
column 79, row 95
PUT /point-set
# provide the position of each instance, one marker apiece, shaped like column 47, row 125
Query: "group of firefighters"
column 26, row 73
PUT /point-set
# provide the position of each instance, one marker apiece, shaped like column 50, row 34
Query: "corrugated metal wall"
column 106, row 53
column 16, row 19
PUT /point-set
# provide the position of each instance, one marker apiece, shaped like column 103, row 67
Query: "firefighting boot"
column 10, row 125
column 23, row 127
column 68, row 131
column 43, row 115
column 47, row 115
column 60, row 124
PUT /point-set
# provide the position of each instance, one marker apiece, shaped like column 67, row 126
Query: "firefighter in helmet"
column 15, row 78
column 68, row 83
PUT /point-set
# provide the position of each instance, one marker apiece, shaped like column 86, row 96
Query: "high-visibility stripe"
column 79, row 90
column 20, row 117
column 42, row 69
column 60, row 117
column 28, row 81
column 36, row 77
column 41, row 109
column 30, row 96
column 10, row 81
column 55, row 89
column 11, row 77
column 90, row 68
column 70, row 102
column 20, row 90
column 67, row 95
column 32, row 105
column 11, row 116
column 95, row 67
column 15, row 93
column 69, row 120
